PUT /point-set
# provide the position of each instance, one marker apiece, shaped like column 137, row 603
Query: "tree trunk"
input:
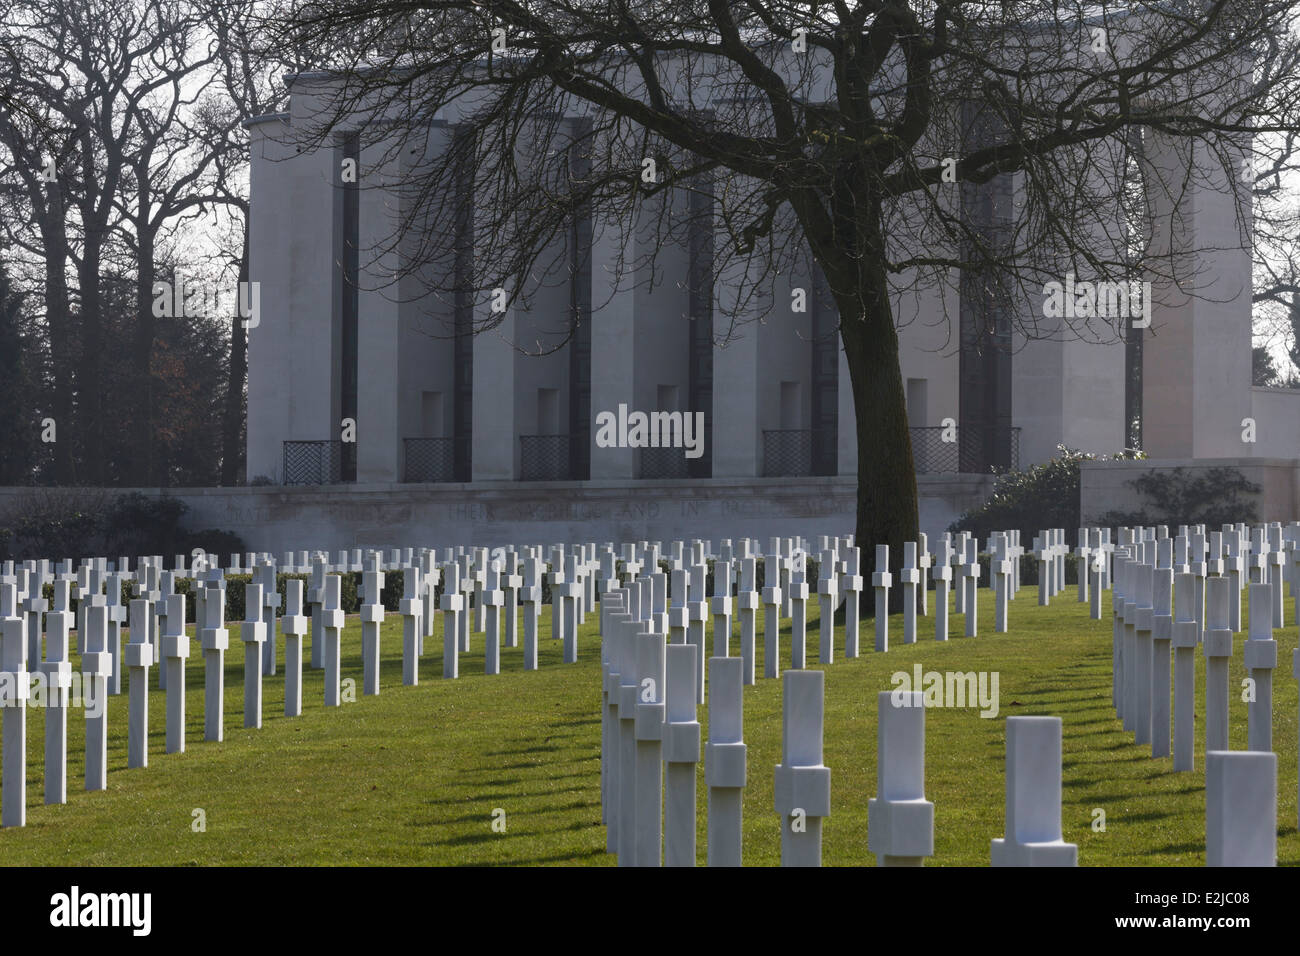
column 57, row 319
column 232, row 444
column 142, row 467
column 887, row 501
column 89, row 387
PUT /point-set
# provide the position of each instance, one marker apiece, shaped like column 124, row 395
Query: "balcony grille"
column 544, row 457
column 787, row 452
column 978, row 449
column 664, row 463
column 313, row 462
column 429, row 459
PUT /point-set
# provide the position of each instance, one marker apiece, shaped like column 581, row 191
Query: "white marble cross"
column 881, row 580
column 293, row 625
column 1033, row 830
column 253, row 632
column 139, row 655
column 15, row 685
column 1260, row 658
column 215, row 640
column 453, row 604
column 681, row 754
column 724, row 760
column 802, row 783
column 900, row 821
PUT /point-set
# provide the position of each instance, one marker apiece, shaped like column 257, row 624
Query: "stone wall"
column 1104, row 484
column 277, row 519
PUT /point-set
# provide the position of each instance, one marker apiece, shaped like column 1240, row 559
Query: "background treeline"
column 124, row 162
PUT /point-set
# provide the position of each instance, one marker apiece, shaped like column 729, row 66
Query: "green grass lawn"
column 413, row 776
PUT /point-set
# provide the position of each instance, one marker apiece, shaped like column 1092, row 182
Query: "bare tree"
column 843, row 137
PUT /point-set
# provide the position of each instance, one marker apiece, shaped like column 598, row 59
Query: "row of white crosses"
column 650, row 749
column 1156, row 578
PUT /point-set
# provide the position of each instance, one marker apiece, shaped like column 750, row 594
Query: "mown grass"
column 414, row 775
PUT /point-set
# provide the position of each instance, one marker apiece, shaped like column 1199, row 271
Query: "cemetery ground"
column 414, row 775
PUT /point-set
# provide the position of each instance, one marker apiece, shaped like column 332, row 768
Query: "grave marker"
column 1240, row 808
column 1217, row 647
column 58, row 677
column 724, row 761
column 802, row 783
column 1033, row 833
column 1260, row 658
column 293, row 625
column 139, row 655
column 681, row 754
column 900, row 821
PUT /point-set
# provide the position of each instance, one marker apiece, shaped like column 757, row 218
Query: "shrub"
column 1213, row 497
column 58, row 523
column 1041, row 496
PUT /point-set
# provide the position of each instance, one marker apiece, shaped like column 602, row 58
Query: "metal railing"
column 429, row 459
column 313, row 462
column 664, row 463
column 544, row 457
column 966, row 449
column 787, row 452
